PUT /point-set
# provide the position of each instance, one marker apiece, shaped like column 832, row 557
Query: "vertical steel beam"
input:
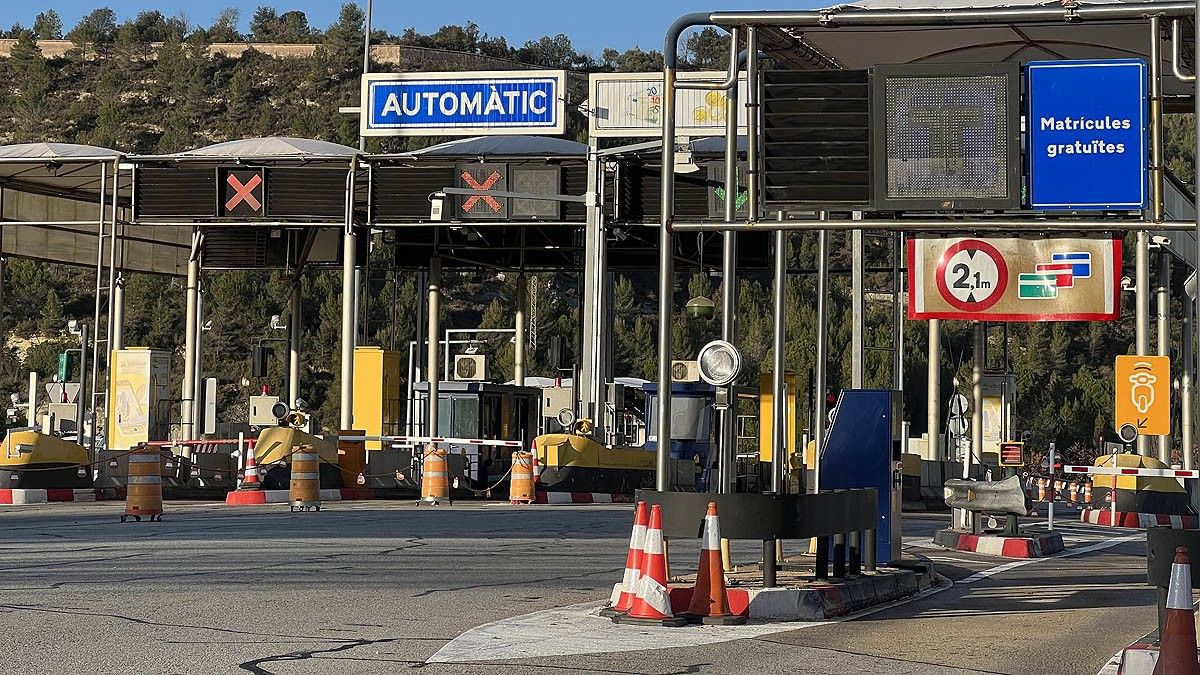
column 979, row 362
column 1142, row 252
column 1141, row 301
column 118, row 315
column 590, row 387
column 1162, row 293
column 666, row 278
column 431, row 344
column 779, row 459
column 819, row 417
column 934, row 389
column 294, row 333
column 522, row 302
column 897, row 315
column 857, row 314
column 1186, row 372
column 362, row 140
column 1191, row 365
column 81, row 398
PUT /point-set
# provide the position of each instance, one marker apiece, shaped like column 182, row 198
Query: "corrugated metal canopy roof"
column 66, row 169
column 936, row 39
column 272, row 147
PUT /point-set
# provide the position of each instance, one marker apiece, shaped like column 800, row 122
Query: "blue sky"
column 590, row 25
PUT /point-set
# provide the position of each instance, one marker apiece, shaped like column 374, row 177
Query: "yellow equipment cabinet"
column 377, row 397
column 766, row 414
column 141, row 379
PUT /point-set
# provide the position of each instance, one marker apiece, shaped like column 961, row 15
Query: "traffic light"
column 258, row 360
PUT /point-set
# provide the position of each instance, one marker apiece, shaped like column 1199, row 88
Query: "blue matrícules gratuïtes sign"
column 1086, row 140
column 463, row 104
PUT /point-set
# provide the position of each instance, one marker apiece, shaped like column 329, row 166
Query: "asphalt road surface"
column 380, row 587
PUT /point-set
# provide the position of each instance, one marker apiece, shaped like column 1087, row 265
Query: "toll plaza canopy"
column 57, row 200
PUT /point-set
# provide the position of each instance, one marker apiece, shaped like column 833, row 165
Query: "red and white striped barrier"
column 1133, row 471
column 255, row 497
column 40, row 496
column 418, row 440
column 582, row 498
column 1131, row 519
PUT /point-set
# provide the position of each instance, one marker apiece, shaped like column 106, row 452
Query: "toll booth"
column 693, row 429
column 481, row 410
column 863, row 450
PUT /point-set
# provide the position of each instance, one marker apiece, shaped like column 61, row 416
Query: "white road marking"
column 579, row 629
column 983, row 574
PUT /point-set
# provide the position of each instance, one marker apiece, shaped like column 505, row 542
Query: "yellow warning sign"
column 1143, row 392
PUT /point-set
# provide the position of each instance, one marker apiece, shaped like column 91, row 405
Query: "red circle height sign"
column 980, row 294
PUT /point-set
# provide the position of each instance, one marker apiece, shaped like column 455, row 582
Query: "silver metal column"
column 1196, row 191
column 434, row 326
column 1141, row 300
column 590, row 388
column 979, row 362
column 819, row 418
column 934, row 387
column 1162, row 292
column 727, row 437
column 857, row 314
column 294, row 332
column 666, row 282
column 187, row 413
column 349, row 330
column 81, row 399
column 118, row 314
column 1186, row 370
column 522, row 302
column 778, row 343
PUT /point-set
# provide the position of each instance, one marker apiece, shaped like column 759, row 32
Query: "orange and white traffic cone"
column 1177, row 645
column 537, row 469
column 710, row 602
column 652, row 605
column 633, row 564
column 250, row 473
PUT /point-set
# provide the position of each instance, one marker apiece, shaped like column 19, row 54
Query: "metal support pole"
column 349, row 332
column 821, row 564
column 1162, row 292
column 819, row 418
column 769, row 564
column 1141, row 299
column 190, row 343
column 869, row 550
column 118, row 314
column 855, row 546
column 839, row 556
column 294, row 333
column 1186, row 373
column 522, row 302
column 857, row 315
column 728, row 418
column 666, row 280
column 1196, row 191
column 431, row 344
column 362, row 140
column 979, row 362
column 81, row 398
column 779, row 458
column 934, row 387
column 590, row 388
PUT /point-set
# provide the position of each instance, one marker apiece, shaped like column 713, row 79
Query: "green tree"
column 48, row 26
column 34, row 78
column 51, row 321
column 707, row 49
column 96, row 30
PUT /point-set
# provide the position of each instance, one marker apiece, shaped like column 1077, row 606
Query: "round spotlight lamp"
column 720, row 363
column 700, row 307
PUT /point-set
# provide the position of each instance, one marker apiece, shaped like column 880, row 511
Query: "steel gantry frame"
column 749, row 24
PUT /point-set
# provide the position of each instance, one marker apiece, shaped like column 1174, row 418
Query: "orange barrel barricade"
column 1041, row 490
column 434, row 474
column 1087, row 493
column 520, row 485
column 143, row 486
column 305, row 488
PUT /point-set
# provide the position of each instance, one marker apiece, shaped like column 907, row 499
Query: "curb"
column 17, row 497
column 1139, row 520
column 818, row 602
column 1037, row 546
column 255, row 497
column 581, row 498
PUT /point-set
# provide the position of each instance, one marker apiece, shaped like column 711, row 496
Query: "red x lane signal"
column 487, row 184
column 242, row 193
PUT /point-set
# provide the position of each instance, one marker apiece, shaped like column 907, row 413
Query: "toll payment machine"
column 863, row 449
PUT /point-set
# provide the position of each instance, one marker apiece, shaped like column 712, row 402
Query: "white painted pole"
column 1050, row 509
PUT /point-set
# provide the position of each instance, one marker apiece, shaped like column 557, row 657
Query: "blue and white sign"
column 1086, row 140
column 463, row 104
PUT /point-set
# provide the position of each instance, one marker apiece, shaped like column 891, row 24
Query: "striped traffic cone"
column 633, row 564
column 710, row 602
column 1177, row 645
column 537, row 469
column 250, row 474
column 652, row 605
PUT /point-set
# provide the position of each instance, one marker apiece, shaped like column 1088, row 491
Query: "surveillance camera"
column 301, row 404
column 276, row 323
column 15, row 398
column 207, row 325
column 1126, row 283
column 1158, row 240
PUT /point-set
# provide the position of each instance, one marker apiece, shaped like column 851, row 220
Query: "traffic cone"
column 537, row 469
column 1177, row 644
column 250, row 476
column 710, row 602
column 633, row 564
column 652, row 605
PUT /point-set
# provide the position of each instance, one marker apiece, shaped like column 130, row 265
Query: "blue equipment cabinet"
column 862, row 450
